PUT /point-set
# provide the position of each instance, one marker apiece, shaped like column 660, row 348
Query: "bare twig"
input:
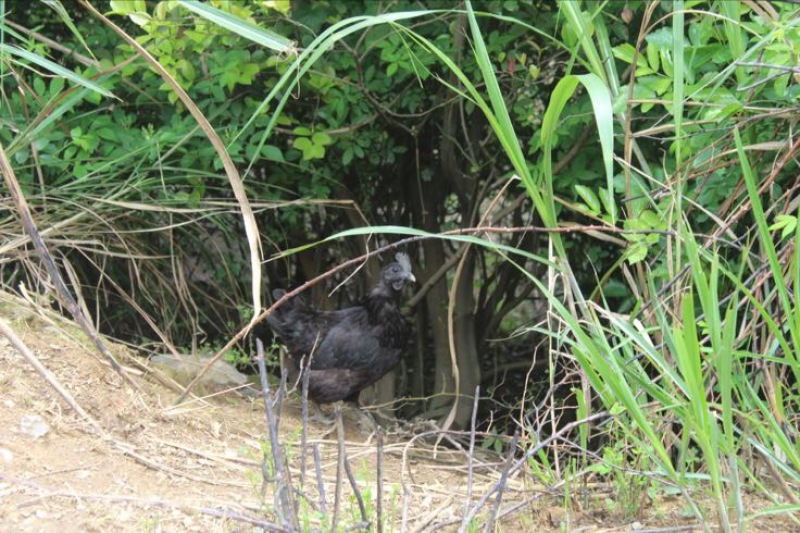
column 379, row 474
column 501, row 483
column 281, row 396
column 320, row 482
column 470, row 457
column 337, row 500
column 434, row 279
column 406, row 498
column 357, row 492
column 283, row 490
column 304, row 422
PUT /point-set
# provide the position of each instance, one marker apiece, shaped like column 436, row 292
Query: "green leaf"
column 347, row 156
column 624, row 52
column 125, row 7
column 653, row 56
column 302, row 143
column 589, row 197
column 272, row 153
column 109, row 134
column 606, row 198
column 786, row 223
column 317, row 151
column 617, row 409
column 636, row 252
column 651, row 220
column 139, row 18
column 321, row 138
column 660, row 38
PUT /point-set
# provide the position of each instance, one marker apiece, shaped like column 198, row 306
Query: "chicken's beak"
column 410, row 277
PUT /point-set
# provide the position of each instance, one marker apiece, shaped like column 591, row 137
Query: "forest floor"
column 151, row 465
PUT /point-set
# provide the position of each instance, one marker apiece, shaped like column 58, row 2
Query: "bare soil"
column 151, row 465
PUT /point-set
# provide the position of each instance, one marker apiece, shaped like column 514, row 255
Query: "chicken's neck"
column 382, row 304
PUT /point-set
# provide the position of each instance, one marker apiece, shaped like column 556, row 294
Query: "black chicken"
column 349, row 349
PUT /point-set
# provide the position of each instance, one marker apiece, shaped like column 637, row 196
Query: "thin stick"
column 281, row 395
column 339, row 465
column 470, row 458
column 357, row 492
column 304, row 424
column 320, row 482
column 501, row 483
column 283, row 494
column 305, row 369
column 404, row 521
column 379, row 469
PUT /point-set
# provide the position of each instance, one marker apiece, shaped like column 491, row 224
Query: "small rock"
column 33, row 426
column 221, row 376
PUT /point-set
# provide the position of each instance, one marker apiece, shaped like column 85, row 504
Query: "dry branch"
column 284, row 492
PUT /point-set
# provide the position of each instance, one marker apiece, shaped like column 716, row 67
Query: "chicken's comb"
column 403, row 260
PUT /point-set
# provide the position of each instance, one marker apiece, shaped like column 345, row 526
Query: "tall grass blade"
column 55, row 68
column 244, row 28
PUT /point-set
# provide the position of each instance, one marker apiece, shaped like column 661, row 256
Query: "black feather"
column 351, row 348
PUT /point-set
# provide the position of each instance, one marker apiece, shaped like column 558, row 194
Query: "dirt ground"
column 151, row 465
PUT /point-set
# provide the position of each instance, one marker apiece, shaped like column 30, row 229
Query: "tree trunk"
column 466, row 345
column 436, row 306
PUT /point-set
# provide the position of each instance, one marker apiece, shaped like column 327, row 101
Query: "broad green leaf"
column 604, row 117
